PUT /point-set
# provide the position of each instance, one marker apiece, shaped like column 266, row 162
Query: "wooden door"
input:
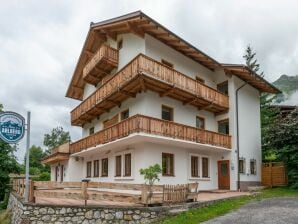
column 223, row 174
column 61, row 173
column 56, row 173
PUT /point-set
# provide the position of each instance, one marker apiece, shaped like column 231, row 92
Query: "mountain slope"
column 289, row 86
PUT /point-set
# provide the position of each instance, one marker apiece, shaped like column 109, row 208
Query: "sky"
column 40, row 42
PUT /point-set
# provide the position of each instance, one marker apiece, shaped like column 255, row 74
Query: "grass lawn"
column 4, row 217
column 203, row 214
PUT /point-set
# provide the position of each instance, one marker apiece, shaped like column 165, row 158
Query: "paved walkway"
column 269, row 211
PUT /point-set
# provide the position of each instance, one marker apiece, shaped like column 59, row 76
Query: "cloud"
column 41, row 42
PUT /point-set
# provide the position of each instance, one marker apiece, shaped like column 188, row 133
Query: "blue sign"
column 12, row 127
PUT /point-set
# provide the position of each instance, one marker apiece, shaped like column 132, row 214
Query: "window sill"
column 200, row 178
column 124, row 178
column 164, row 175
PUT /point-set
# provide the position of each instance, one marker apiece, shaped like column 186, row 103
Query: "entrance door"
column 61, row 173
column 223, row 174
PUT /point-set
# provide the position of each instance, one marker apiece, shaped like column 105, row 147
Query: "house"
column 148, row 96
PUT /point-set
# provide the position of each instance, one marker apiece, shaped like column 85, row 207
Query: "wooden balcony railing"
column 145, row 73
column 64, row 148
column 154, row 126
column 102, row 63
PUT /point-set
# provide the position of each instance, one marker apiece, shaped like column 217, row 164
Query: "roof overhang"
column 54, row 158
column 252, row 78
column 139, row 24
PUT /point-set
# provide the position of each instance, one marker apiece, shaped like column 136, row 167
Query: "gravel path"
column 269, row 211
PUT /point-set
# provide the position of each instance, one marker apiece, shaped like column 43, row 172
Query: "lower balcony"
column 154, row 127
column 58, row 154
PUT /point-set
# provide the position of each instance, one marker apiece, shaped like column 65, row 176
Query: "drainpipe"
column 237, row 123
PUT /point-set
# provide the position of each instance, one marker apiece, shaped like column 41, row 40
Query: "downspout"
column 237, row 123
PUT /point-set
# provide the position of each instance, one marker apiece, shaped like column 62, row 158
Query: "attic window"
column 166, row 63
column 119, row 44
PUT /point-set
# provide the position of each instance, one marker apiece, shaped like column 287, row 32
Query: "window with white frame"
column 253, row 167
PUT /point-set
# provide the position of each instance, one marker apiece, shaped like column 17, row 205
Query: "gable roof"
column 139, row 24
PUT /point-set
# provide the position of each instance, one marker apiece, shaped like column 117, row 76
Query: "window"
column 91, row 131
column 242, row 165
column 223, row 126
column 127, row 165
column 194, row 164
column 124, row 114
column 167, row 164
column 200, row 79
column 96, row 168
column 166, row 63
column 253, row 167
column 89, row 169
column 120, row 44
column 167, row 113
column 104, row 167
column 205, row 167
column 118, row 166
column 223, row 87
column 200, row 122
column 110, row 122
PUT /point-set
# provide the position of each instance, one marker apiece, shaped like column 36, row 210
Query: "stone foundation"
column 245, row 184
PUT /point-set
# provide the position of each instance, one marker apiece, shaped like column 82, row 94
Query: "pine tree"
column 251, row 61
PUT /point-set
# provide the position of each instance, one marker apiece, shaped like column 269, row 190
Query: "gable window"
column 96, row 168
column 200, row 79
column 119, row 44
column 205, row 167
column 242, row 165
column 223, row 87
column 118, row 166
column 104, row 167
column 253, row 167
column 91, row 131
column 89, row 164
column 124, row 115
column 200, row 122
column 194, row 164
column 223, row 126
column 166, row 63
column 127, row 165
column 167, row 113
column 167, row 164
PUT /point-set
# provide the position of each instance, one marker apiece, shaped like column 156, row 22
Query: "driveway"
column 269, row 211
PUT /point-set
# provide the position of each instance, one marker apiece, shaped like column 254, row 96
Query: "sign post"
column 12, row 130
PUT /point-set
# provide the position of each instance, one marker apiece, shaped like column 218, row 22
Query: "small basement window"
column 166, row 63
column 200, row 122
column 223, row 126
column 166, row 113
column 223, row 87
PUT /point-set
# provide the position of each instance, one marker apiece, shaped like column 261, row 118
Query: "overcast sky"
column 40, row 42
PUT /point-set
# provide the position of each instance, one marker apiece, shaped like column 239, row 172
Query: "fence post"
column 271, row 179
column 84, row 191
column 31, row 191
column 144, row 195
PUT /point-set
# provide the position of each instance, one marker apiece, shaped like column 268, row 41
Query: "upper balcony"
column 144, row 73
column 101, row 64
column 60, row 153
column 155, row 127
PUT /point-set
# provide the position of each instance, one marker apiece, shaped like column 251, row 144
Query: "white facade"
column 146, row 150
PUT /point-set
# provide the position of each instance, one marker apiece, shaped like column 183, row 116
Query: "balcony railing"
column 101, row 64
column 153, row 126
column 59, row 153
column 145, row 73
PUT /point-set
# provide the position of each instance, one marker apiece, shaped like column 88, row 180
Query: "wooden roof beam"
column 135, row 30
column 110, row 34
column 167, row 92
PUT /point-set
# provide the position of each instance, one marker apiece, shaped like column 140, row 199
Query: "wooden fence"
column 274, row 174
column 99, row 191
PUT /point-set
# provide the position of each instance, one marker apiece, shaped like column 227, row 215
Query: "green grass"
column 198, row 215
column 4, row 217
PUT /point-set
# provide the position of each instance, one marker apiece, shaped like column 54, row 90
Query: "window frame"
column 208, row 167
column 226, row 120
column 243, row 170
column 172, row 168
column 171, row 112
column 254, row 161
column 197, row 166
column 91, row 129
column 116, row 170
column 102, row 167
column 96, row 168
column 125, row 174
column 88, row 169
column 223, row 84
column 204, row 121
column 121, row 114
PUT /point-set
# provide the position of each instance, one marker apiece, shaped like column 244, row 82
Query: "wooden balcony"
column 144, row 73
column 101, row 64
column 154, row 126
column 58, row 154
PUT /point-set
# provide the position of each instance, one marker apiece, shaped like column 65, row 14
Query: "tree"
column 251, row 61
column 282, row 136
column 57, row 137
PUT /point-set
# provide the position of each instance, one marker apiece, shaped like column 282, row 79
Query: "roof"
column 249, row 76
column 139, row 24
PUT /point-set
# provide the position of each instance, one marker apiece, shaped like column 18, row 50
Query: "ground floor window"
column 194, row 164
column 205, row 167
column 89, row 169
column 127, row 165
column 253, row 167
column 104, row 167
column 96, row 168
column 242, row 165
column 118, row 166
column 167, row 164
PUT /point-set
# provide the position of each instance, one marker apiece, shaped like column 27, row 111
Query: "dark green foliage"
column 251, row 61
column 57, row 137
column 282, row 137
